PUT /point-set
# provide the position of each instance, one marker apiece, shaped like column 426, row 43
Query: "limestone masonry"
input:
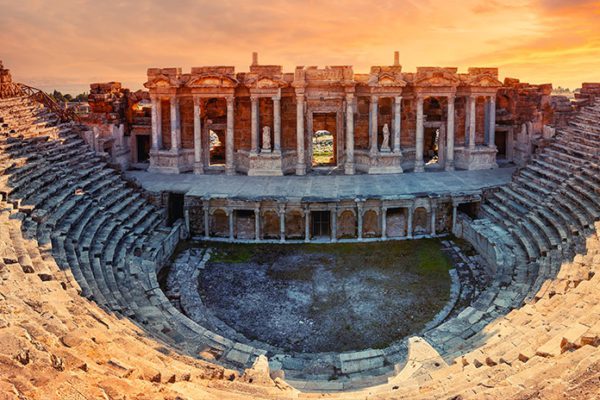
column 385, row 121
column 82, row 314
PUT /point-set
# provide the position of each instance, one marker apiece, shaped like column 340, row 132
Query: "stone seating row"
column 94, row 230
column 76, row 204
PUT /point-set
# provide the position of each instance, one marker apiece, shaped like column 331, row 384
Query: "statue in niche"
column 266, row 139
column 385, row 144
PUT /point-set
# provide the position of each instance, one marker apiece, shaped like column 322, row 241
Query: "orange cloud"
column 69, row 44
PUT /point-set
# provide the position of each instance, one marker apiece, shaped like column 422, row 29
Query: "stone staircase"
column 71, row 226
column 97, row 227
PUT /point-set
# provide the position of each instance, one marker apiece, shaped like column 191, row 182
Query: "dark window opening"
column 175, row 207
column 321, row 223
column 143, row 148
column 471, row 209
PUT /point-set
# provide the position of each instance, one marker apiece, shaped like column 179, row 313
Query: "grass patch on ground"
column 341, row 296
column 232, row 253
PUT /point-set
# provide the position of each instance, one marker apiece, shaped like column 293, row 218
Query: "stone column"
column 397, row 122
column 433, row 218
column 472, row 117
column 359, row 218
column 229, row 166
column 383, row 222
column 409, row 233
column 230, row 215
column 349, row 168
column 277, row 124
column 282, row 223
column 300, row 162
column 205, row 205
column 419, row 164
column 155, row 122
column 373, row 121
column 306, row 224
column 257, row 224
column 450, row 136
column 198, row 167
column 454, row 206
column 334, row 225
column 175, row 134
column 254, row 125
column 467, row 119
column 492, row 132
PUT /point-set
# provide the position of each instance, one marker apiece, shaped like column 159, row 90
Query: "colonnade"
column 305, row 212
column 349, row 167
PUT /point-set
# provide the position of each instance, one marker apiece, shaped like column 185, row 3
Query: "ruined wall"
column 7, row 87
column 288, row 122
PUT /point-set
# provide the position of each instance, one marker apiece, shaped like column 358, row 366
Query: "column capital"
column 254, row 98
column 397, row 99
column 375, row 98
column 197, row 100
column 451, row 97
column 230, row 100
column 277, row 97
column 173, row 99
column 349, row 96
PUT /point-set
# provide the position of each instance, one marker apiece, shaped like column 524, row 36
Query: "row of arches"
column 242, row 224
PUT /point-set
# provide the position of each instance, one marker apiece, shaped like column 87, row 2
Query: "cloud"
column 80, row 41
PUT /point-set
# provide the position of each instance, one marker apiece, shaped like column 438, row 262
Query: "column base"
column 449, row 166
column 349, row 169
column 265, row 164
column 300, row 169
column 198, row 168
column 419, row 166
column 229, row 170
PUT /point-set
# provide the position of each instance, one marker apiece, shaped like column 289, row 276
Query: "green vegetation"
column 342, row 296
column 61, row 98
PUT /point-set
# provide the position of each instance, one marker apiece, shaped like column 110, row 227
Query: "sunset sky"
column 68, row 44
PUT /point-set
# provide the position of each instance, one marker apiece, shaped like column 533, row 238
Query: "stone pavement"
column 323, row 187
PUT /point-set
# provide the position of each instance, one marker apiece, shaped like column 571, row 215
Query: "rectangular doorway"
column 500, row 142
column 175, row 207
column 216, row 147
column 323, row 140
column 320, row 224
column 143, row 148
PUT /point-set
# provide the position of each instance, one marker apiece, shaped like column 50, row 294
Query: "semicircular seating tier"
column 82, row 314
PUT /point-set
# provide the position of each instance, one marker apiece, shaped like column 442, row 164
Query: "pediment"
column 437, row 80
column 212, row 81
column 266, row 83
column 161, row 81
column 484, row 81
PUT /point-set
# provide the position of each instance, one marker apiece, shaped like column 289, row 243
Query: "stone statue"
column 266, row 139
column 385, row 144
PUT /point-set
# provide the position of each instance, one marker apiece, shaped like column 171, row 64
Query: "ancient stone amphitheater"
column 82, row 315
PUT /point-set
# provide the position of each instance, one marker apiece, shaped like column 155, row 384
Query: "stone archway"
column 421, row 221
column 294, row 225
column 396, row 220
column 371, row 224
column 346, row 228
column 270, row 228
column 219, row 224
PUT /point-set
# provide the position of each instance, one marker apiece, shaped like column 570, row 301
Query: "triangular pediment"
column 485, row 81
column 211, row 81
column 161, row 81
column 437, row 80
